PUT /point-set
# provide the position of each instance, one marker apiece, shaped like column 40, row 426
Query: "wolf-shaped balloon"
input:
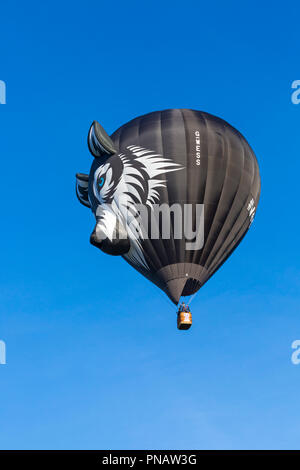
column 176, row 157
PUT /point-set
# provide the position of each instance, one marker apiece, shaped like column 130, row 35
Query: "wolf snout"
column 117, row 244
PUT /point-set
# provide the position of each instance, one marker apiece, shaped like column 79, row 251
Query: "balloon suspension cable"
column 191, row 299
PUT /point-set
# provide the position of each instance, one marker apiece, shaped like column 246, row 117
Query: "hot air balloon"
column 195, row 179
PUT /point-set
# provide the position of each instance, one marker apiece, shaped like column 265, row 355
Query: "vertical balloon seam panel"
column 225, row 225
column 228, row 241
column 225, row 155
column 149, row 242
column 173, row 266
column 208, row 185
column 198, row 255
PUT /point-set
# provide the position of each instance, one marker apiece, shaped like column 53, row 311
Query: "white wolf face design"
column 120, row 185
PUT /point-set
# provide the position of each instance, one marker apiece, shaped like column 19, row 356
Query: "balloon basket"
column 184, row 320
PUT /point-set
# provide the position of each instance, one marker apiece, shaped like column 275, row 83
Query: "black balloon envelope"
column 173, row 192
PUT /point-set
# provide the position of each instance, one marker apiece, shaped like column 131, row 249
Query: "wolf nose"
column 116, row 246
column 96, row 239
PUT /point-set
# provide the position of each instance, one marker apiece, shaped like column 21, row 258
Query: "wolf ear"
column 82, row 186
column 99, row 142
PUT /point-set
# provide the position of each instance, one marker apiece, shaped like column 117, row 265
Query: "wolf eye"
column 101, row 182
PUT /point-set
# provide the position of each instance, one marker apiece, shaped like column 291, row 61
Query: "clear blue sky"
column 94, row 359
